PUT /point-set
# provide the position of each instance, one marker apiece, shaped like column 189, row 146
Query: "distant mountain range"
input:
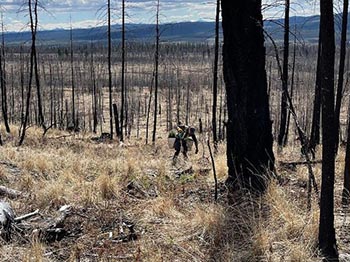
column 306, row 29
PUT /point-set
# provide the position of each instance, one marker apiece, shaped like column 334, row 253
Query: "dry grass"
column 175, row 217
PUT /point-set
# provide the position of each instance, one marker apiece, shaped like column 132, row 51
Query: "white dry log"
column 6, row 219
column 6, row 213
column 11, row 193
column 26, row 216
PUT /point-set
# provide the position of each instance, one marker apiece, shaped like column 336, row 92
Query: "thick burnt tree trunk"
column 249, row 128
column 327, row 240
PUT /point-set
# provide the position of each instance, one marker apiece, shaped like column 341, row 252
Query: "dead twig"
column 26, row 216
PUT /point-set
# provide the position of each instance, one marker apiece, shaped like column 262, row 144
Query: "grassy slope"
column 175, row 217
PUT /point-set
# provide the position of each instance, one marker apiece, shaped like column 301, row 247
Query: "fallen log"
column 187, row 171
column 313, row 162
column 47, row 230
column 6, row 220
column 26, row 216
column 11, row 193
column 54, row 230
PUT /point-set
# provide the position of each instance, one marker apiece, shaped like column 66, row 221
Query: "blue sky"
column 89, row 13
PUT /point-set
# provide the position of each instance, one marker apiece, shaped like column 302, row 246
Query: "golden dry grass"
column 175, row 217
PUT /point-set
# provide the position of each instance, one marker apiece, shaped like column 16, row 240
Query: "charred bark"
column 249, row 128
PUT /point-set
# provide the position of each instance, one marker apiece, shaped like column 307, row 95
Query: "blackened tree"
column 341, row 70
column 110, row 68
column 215, row 76
column 283, row 123
column 327, row 240
column 249, row 128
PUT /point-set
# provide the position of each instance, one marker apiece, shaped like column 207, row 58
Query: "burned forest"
column 181, row 141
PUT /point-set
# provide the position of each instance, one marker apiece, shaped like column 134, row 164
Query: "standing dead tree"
column 110, row 69
column 341, row 71
column 304, row 141
column 215, row 76
column 74, row 121
column 3, row 80
column 316, row 117
column 249, row 145
column 291, row 90
column 33, row 67
column 283, row 123
column 122, row 107
column 156, row 61
column 33, row 14
column 327, row 237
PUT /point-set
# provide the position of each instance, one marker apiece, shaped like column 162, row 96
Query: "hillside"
column 306, row 27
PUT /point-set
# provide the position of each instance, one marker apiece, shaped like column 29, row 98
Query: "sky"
column 90, row 13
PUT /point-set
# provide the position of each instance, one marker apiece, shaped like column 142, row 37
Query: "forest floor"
column 130, row 203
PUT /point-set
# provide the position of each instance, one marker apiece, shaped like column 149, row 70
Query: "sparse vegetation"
column 94, row 190
column 174, row 218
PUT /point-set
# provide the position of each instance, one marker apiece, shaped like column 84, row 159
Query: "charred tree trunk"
column 316, row 117
column 116, row 119
column 215, row 77
column 249, row 140
column 3, row 81
column 72, row 78
column 22, row 85
column 110, row 71
column 31, row 69
column 156, row 58
column 285, row 140
column 123, row 74
column 327, row 240
column 170, row 107
column 282, row 131
column 341, row 71
column 37, row 77
column 94, row 92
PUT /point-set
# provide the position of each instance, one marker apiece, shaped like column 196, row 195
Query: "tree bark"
column 285, row 140
column 3, row 80
column 37, row 78
column 72, row 78
column 156, row 58
column 316, row 116
column 110, row 71
column 249, row 128
column 123, row 74
column 31, row 69
column 341, row 71
column 215, row 77
column 327, row 240
column 283, row 122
